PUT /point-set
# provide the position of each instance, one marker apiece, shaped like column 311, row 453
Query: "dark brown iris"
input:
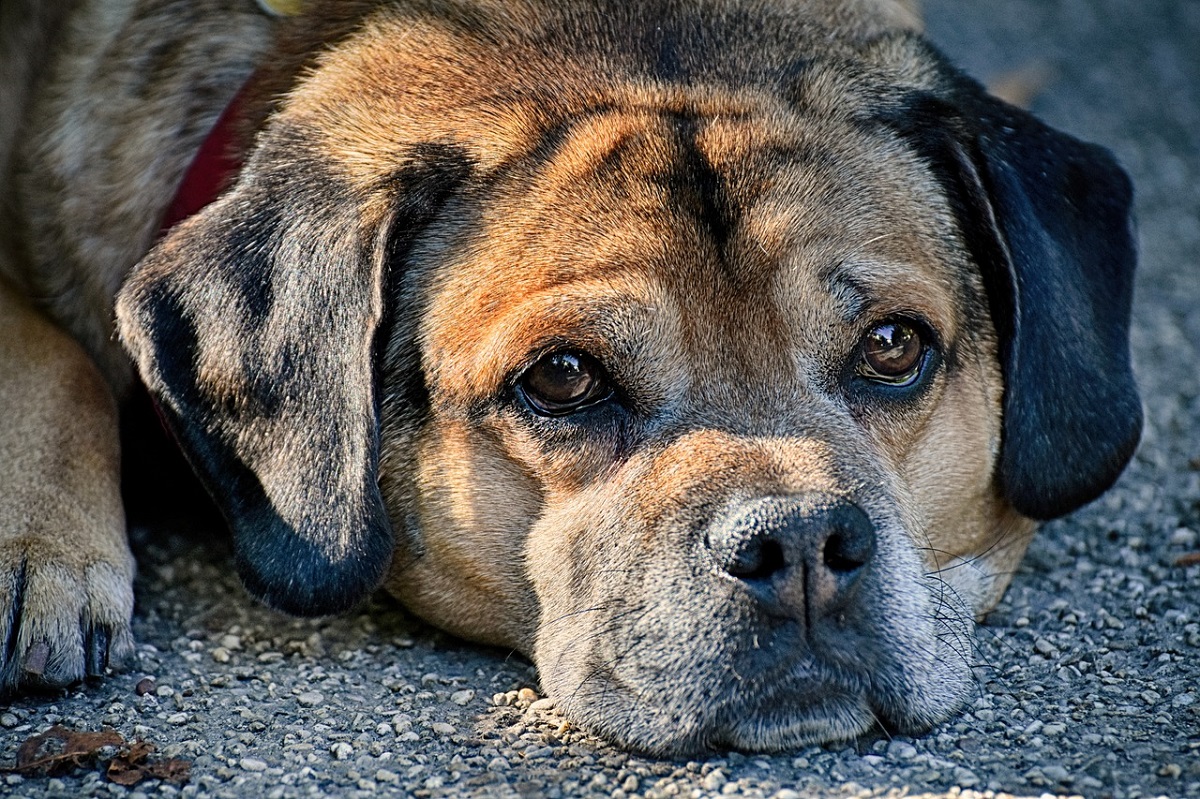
column 892, row 353
column 562, row 382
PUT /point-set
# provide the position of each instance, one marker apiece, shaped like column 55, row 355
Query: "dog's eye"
column 564, row 382
column 893, row 353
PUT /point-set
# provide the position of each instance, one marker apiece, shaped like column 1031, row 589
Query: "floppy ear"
column 256, row 325
column 1063, row 288
column 1047, row 219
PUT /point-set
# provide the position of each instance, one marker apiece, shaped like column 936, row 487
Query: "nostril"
column 803, row 557
column 759, row 561
column 847, row 551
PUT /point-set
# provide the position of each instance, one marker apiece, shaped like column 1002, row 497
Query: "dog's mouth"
column 800, row 712
column 711, row 698
column 741, row 716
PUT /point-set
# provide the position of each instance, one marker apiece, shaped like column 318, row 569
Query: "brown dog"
column 718, row 355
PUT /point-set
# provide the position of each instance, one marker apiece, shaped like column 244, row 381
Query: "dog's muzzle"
column 774, row 621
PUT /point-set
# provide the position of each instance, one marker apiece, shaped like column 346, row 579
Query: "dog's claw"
column 34, row 664
column 96, row 652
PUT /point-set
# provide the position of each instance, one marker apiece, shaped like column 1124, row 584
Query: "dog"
column 722, row 356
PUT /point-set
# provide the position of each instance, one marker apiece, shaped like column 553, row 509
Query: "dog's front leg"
column 66, row 572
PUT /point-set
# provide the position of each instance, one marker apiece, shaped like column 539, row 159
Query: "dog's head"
column 720, row 365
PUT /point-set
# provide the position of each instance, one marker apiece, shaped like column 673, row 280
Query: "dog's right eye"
column 893, row 353
column 564, row 382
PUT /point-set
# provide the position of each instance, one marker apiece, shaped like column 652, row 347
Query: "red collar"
column 212, row 170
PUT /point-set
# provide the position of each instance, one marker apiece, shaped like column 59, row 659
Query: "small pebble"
column 310, row 699
column 341, row 750
column 253, row 764
column 1183, row 537
column 1057, row 774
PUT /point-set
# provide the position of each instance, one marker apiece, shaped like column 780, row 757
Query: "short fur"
column 748, row 544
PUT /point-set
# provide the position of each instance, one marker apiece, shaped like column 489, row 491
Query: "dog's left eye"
column 893, row 353
column 564, row 382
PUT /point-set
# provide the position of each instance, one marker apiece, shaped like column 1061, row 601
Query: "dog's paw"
column 64, row 615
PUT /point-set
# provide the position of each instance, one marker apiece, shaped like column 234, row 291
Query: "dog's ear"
column 1048, row 220
column 1063, row 289
column 256, row 325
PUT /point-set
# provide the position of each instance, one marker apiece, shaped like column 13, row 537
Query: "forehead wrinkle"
column 650, row 168
column 595, row 140
column 862, row 235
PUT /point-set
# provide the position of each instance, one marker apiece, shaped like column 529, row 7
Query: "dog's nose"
column 799, row 556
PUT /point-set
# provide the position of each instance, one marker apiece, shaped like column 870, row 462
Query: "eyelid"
column 914, row 319
column 549, row 346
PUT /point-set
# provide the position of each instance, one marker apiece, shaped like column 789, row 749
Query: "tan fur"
column 63, row 554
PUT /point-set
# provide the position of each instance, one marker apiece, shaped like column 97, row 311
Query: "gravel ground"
column 1089, row 678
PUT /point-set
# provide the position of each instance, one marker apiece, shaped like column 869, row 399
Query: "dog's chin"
column 838, row 718
column 779, row 716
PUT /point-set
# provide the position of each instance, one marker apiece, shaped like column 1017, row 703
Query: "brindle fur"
column 715, row 198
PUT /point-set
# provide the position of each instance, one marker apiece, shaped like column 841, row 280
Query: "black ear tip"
column 1043, row 482
column 292, row 575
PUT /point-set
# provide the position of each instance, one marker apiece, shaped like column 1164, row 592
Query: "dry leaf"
column 170, row 770
column 133, row 766
column 123, row 773
column 127, row 769
column 59, row 749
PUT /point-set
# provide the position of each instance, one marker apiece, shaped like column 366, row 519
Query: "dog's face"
column 729, row 399
column 711, row 417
